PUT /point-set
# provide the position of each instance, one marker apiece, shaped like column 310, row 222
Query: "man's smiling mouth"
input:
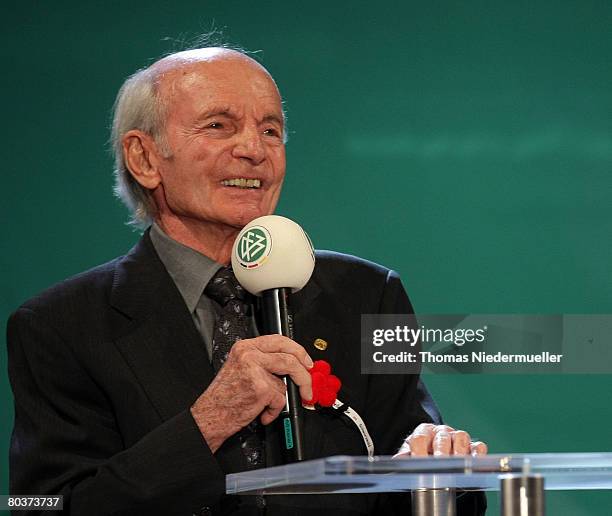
column 241, row 182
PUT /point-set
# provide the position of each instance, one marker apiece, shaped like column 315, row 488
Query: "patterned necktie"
column 234, row 324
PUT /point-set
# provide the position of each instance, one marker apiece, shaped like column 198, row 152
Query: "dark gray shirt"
column 191, row 271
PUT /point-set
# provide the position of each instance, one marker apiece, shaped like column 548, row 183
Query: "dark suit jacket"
column 104, row 367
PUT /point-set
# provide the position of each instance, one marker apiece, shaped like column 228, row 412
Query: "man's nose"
column 250, row 146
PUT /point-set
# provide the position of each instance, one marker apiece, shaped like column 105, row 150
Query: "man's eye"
column 215, row 125
column 271, row 132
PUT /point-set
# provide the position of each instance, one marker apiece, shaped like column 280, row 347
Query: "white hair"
column 137, row 106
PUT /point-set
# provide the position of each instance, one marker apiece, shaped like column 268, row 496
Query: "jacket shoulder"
column 343, row 272
column 340, row 263
column 87, row 287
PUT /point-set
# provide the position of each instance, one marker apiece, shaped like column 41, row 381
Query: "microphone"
column 273, row 257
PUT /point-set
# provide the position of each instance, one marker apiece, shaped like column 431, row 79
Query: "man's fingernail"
column 309, row 362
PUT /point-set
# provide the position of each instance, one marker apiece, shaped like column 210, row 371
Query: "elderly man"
column 124, row 403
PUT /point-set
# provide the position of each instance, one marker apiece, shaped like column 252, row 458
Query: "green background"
column 468, row 145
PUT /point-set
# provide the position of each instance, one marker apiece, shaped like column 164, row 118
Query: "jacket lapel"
column 159, row 341
column 312, row 321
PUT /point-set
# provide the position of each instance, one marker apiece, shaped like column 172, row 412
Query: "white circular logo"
column 254, row 247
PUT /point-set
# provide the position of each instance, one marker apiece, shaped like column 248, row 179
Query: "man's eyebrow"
column 273, row 118
column 217, row 111
column 228, row 112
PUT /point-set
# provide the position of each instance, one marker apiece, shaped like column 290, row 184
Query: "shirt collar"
column 190, row 270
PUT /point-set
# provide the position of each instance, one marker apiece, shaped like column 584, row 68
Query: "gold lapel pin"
column 320, row 344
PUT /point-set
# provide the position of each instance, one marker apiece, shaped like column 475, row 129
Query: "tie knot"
column 224, row 287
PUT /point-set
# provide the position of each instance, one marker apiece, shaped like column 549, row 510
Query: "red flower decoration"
column 325, row 386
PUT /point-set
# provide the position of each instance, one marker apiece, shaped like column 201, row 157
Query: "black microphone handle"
column 277, row 319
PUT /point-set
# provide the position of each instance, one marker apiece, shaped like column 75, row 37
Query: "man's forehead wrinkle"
column 212, row 85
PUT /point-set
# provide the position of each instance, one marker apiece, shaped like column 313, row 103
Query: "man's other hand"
column 248, row 386
column 428, row 439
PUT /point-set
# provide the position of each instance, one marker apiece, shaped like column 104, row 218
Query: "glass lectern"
column 521, row 478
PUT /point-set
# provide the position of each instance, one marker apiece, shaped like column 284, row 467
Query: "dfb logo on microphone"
column 254, row 247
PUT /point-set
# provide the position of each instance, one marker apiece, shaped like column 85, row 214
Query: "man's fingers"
column 278, row 385
column 420, row 441
column 443, row 428
column 284, row 364
column 424, row 428
column 403, row 452
column 461, row 442
column 273, row 409
column 478, row 448
column 438, row 440
column 277, row 355
column 442, row 443
column 281, row 344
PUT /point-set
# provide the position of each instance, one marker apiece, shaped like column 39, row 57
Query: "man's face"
column 224, row 131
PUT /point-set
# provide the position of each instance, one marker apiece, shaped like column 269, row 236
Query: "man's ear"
column 142, row 158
